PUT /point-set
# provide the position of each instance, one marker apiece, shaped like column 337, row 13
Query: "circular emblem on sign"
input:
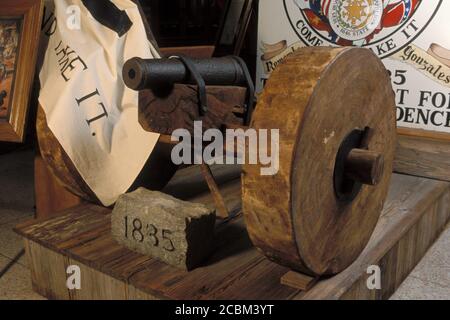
column 384, row 26
column 355, row 19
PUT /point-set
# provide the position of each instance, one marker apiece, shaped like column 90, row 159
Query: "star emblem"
column 355, row 10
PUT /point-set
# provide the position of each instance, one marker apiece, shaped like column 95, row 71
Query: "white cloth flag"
column 88, row 107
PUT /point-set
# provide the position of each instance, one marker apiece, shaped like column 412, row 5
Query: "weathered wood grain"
column 180, row 109
column 298, row 280
column 365, row 166
column 415, row 212
column 50, row 196
column 294, row 216
column 221, row 207
column 423, row 156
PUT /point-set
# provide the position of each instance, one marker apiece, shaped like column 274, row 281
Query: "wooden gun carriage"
column 334, row 109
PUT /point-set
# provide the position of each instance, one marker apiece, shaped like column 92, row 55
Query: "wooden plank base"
column 416, row 212
column 423, row 156
column 298, row 281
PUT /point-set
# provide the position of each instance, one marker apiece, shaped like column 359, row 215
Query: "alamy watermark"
column 74, row 277
column 374, row 279
column 235, row 146
column 73, row 22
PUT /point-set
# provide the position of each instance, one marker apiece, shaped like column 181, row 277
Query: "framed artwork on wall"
column 20, row 22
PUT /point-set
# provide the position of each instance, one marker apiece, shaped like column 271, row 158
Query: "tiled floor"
column 16, row 204
column 430, row 280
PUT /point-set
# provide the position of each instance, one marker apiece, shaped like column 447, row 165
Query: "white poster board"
column 412, row 37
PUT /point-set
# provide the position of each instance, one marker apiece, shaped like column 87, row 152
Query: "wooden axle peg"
column 364, row 166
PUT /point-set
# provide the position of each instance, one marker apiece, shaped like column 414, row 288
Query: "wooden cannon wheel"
column 317, row 98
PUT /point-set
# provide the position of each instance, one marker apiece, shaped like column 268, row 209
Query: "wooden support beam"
column 298, row 281
column 221, row 207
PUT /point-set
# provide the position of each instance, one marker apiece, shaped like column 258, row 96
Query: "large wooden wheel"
column 335, row 110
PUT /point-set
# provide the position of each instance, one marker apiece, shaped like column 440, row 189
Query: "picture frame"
column 20, row 24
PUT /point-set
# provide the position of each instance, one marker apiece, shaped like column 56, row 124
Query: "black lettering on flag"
column 106, row 12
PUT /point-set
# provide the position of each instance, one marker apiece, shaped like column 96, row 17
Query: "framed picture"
column 20, row 22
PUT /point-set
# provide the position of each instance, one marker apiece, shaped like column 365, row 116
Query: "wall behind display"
column 228, row 26
column 187, row 22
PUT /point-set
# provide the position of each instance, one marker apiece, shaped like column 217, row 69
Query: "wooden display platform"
column 423, row 156
column 415, row 214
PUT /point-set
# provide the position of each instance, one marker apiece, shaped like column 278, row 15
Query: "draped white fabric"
column 88, row 107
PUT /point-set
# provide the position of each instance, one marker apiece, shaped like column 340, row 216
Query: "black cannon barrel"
column 140, row 74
